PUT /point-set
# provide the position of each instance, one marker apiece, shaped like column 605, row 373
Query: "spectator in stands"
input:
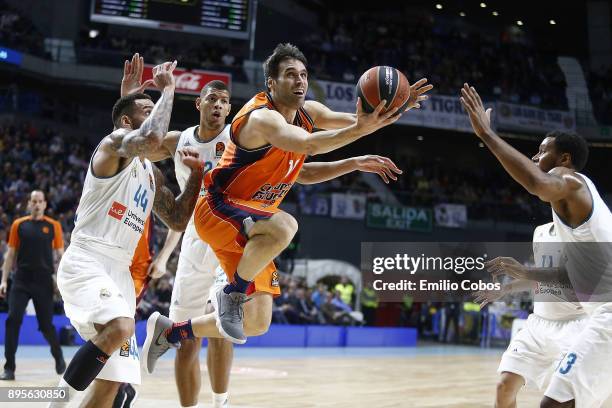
column 369, row 304
column 345, row 289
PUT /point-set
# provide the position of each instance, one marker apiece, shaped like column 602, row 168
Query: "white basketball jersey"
column 112, row 211
column 598, row 226
column 551, row 300
column 588, row 254
column 210, row 152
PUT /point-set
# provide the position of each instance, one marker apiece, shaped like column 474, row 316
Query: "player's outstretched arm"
column 175, row 213
column 271, row 127
column 325, row 118
column 556, row 185
column 318, row 172
column 132, row 83
column 149, row 136
column 158, row 267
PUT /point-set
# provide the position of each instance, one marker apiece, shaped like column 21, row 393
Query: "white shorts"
column 538, row 347
column 97, row 289
column 191, row 284
column 585, row 373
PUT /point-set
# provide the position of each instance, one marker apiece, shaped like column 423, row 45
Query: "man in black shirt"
column 33, row 240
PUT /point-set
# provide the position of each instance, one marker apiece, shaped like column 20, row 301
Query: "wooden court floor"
column 453, row 380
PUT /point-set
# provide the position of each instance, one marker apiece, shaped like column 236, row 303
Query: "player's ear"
column 126, row 121
column 565, row 160
column 197, row 102
column 229, row 108
column 269, row 82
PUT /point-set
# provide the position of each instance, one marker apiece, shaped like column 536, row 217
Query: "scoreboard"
column 224, row 18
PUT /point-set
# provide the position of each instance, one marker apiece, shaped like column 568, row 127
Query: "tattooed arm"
column 175, row 213
column 130, row 139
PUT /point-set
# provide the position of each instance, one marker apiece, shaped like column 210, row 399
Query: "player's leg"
column 101, row 394
column 43, row 304
column 18, row 301
column 508, row 387
column 187, row 371
column 219, row 357
column 267, row 238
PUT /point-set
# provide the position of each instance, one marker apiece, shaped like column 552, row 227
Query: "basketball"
column 383, row 82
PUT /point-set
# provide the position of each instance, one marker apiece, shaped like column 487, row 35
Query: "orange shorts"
column 139, row 275
column 220, row 222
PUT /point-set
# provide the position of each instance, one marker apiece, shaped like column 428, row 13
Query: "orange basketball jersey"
column 261, row 176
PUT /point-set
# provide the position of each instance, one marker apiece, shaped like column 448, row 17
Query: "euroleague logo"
column 219, row 149
column 117, row 210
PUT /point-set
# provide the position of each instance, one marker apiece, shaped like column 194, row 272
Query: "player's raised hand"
column 132, row 76
column 3, row 288
column 191, row 158
column 417, row 93
column 504, row 265
column 383, row 166
column 163, row 75
column 479, row 117
column 371, row 122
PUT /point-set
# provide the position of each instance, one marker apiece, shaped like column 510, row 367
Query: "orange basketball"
column 383, row 82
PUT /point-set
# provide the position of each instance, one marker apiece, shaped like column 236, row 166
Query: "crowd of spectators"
column 200, row 55
column 600, row 89
column 17, row 31
column 448, row 55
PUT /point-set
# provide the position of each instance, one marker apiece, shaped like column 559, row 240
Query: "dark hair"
column 572, row 143
column 124, row 106
column 283, row 51
column 216, row 85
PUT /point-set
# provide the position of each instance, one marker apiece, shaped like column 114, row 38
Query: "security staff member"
column 33, row 240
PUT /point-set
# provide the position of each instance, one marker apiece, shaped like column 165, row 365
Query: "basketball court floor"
column 424, row 376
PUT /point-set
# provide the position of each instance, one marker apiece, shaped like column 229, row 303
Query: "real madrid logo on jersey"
column 134, row 170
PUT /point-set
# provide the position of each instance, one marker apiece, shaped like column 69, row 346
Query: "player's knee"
column 189, row 350
column 119, row 330
column 218, row 344
column 285, row 228
column 256, row 326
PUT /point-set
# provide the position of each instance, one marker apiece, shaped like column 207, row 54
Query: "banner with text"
column 191, row 81
column 510, row 116
column 446, row 112
column 441, row 112
column 399, row 218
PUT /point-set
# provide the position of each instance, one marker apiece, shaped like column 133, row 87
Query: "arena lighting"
column 552, row 22
column 420, row 138
column 439, row 6
column 495, row 13
column 93, row 33
column 483, row 5
column 462, row 14
column 480, row 144
column 519, row 22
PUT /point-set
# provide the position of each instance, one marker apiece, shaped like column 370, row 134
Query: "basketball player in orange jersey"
column 239, row 216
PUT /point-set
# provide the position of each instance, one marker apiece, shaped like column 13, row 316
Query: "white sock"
column 218, row 400
column 71, row 394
